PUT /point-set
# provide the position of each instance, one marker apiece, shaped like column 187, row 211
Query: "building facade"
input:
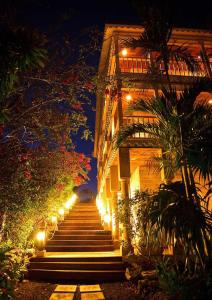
column 125, row 78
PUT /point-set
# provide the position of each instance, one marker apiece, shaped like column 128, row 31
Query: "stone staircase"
column 80, row 251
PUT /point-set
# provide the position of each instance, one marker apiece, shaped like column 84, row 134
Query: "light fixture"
column 70, row 201
column 128, row 97
column 107, row 218
column 40, row 240
column 54, row 220
column 124, row 52
column 210, row 102
column 61, row 212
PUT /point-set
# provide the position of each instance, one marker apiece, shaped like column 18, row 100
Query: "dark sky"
column 44, row 14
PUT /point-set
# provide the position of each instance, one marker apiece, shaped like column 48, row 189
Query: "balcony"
column 140, row 65
column 140, row 139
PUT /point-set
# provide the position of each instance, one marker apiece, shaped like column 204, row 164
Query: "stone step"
column 99, row 232
column 82, row 217
column 108, row 265
column 82, row 211
column 82, row 237
column 80, row 222
column 77, row 275
column 78, row 242
column 80, row 227
column 78, row 248
column 76, row 259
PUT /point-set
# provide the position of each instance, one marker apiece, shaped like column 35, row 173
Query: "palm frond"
column 130, row 130
column 188, row 97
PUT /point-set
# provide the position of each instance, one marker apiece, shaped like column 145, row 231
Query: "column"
column 124, row 176
column 114, row 187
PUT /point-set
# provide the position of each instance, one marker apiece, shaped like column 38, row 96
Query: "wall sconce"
column 124, row 52
column 128, row 97
column 210, row 102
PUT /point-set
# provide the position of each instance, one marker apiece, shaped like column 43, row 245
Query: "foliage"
column 185, row 285
column 177, row 219
column 12, row 264
column 156, row 41
column 182, row 128
column 140, row 230
column 47, row 85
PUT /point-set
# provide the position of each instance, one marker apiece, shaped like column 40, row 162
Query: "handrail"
column 129, row 120
column 142, row 65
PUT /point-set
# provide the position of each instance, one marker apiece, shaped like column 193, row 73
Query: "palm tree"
column 184, row 132
column 155, row 41
column 20, row 50
column 183, row 128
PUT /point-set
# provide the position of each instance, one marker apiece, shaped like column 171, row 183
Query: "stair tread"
column 78, row 271
column 79, row 262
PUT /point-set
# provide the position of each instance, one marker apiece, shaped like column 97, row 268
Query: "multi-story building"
column 124, row 72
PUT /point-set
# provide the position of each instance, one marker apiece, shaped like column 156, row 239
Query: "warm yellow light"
column 102, row 211
column 67, row 204
column 128, row 97
column 41, row 236
column 98, row 203
column 71, row 201
column 124, row 52
column 61, row 211
column 107, row 218
column 210, row 102
column 54, row 219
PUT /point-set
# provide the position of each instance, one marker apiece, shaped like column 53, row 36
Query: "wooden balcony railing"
column 140, row 65
column 129, row 120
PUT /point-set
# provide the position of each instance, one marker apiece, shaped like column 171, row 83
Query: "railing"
column 129, row 120
column 142, row 65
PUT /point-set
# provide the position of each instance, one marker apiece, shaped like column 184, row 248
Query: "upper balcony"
column 138, row 65
column 133, row 65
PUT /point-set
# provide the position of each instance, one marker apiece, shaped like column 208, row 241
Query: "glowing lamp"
column 210, row 102
column 40, row 240
column 128, row 97
column 61, row 212
column 54, row 220
column 102, row 211
column 68, row 204
column 107, row 218
column 71, row 201
column 124, row 52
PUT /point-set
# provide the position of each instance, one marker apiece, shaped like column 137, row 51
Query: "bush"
column 192, row 285
column 12, row 266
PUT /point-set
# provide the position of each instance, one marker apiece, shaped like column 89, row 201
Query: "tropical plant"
column 177, row 218
column 155, row 42
column 183, row 285
column 182, row 128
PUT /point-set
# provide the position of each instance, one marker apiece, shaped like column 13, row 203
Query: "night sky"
column 43, row 14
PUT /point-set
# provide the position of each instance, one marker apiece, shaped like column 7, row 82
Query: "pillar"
column 114, row 187
column 124, row 176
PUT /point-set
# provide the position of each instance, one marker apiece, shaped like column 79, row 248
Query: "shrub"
column 12, row 266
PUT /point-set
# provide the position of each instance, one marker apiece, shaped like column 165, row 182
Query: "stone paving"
column 74, row 292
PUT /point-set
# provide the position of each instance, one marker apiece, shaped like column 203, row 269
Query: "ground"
column 29, row 290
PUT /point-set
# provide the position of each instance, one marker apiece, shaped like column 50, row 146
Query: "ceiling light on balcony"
column 128, row 97
column 124, row 52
